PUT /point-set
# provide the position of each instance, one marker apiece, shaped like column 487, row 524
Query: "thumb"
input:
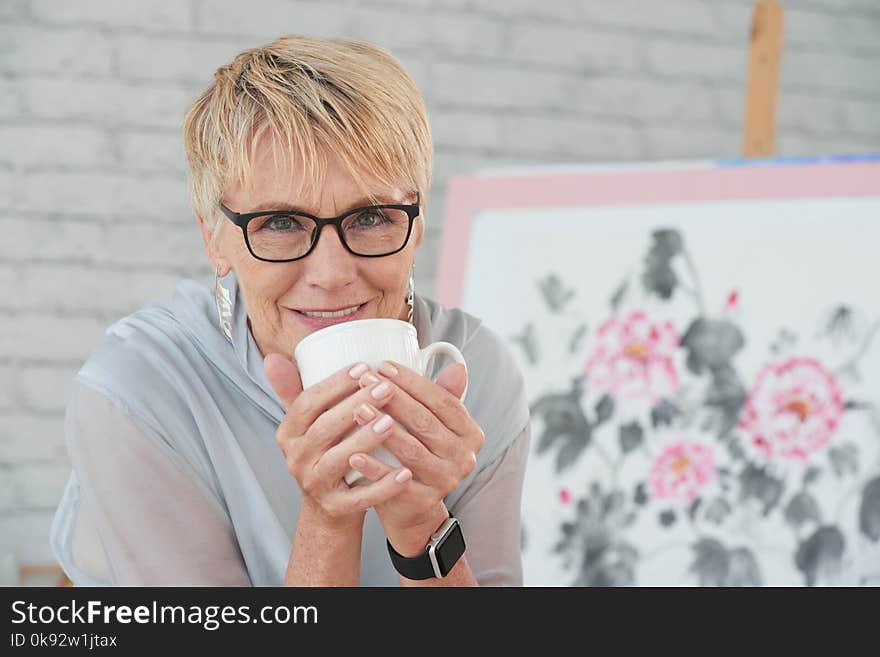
column 283, row 376
column 453, row 378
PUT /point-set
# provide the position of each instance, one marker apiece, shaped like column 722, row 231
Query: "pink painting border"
column 699, row 182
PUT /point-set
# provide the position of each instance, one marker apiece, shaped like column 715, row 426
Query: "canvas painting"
column 703, row 377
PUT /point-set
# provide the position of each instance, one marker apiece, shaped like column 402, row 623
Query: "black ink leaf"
column 726, row 393
column 811, row 474
column 554, row 292
column 664, row 413
column 715, row 565
column 661, row 279
column 711, row 562
column 743, row 569
column 640, row 496
column 844, row 459
column 570, row 451
column 604, row 409
column 869, row 510
column 820, row 556
column 711, row 343
column 564, row 423
column 840, row 326
column 757, row 483
column 693, row 507
column 735, row 449
column 667, row 518
column 717, row 510
column 631, row 436
column 526, row 340
column 579, row 333
column 618, row 295
column 658, row 276
column 801, row 509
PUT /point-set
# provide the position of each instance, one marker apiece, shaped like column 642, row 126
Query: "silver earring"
column 410, row 292
column 224, row 306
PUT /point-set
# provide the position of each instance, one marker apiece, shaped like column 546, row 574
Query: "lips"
column 328, row 310
column 321, row 322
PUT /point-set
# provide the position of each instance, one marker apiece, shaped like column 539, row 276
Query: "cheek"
column 390, row 277
column 262, row 287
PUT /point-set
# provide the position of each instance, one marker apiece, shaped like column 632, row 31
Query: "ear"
column 213, row 252
column 419, row 230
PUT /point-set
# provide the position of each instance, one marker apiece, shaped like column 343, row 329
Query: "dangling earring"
column 224, row 306
column 410, row 293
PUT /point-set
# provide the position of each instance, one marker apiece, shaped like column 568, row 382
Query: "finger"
column 364, row 496
column 324, row 395
column 374, row 469
column 333, row 464
column 422, row 423
column 453, row 378
column 438, row 400
column 445, row 449
column 443, row 474
column 283, row 376
column 369, row 466
column 337, row 422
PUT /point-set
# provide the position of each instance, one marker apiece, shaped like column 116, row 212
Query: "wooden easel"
column 765, row 54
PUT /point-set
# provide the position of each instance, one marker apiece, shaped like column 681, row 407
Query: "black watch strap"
column 418, row 567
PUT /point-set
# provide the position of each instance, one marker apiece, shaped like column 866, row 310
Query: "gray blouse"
column 177, row 479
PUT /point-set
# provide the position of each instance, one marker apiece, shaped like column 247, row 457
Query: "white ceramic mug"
column 320, row 354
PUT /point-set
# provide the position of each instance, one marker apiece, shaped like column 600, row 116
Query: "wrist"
column 312, row 514
column 411, row 541
column 326, row 551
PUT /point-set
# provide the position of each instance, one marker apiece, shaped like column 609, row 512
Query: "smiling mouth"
column 330, row 314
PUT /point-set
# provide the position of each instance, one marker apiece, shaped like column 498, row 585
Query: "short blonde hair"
column 309, row 93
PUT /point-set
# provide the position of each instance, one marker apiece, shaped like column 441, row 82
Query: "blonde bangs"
column 309, row 95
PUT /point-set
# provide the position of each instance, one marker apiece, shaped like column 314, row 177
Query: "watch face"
column 451, row 549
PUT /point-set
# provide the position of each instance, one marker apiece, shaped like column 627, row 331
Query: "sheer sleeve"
column 142, row 516
column 490, row 516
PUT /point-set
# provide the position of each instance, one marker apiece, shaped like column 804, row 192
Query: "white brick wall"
column 93, row 208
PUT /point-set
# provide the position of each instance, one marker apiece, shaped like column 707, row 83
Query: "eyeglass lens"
column 371, row 232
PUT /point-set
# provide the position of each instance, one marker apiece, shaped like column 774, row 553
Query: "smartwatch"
column 444, row 549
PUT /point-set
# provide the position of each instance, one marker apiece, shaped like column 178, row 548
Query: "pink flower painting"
column 634, row 358
column 681, row 471
column 793, row 409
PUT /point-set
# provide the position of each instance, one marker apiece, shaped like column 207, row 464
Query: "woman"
column 197, row 457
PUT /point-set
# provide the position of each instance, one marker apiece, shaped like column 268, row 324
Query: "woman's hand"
column 311, row 437
column 438, row 442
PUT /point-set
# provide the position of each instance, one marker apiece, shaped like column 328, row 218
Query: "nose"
column 330, row 265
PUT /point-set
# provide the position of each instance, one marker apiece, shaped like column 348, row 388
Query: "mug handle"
column 445, row 348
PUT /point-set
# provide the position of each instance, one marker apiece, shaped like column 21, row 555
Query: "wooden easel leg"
column 765, row 55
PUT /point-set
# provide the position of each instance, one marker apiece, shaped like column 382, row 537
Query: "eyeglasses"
column 372, row 231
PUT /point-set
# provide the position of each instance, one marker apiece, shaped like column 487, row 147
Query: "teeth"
column 338, row 313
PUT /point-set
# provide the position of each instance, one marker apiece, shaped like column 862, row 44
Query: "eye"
column 370, row 218
column 281, row 223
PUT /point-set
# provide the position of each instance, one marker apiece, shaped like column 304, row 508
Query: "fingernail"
column 383, row 423
column 388, row 369
column 357, row 461
column 356, row 371
column 364, row 413
column 380, row 390
column 403, row 476
column 368, row 379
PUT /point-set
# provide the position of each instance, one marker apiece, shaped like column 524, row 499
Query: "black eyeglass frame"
column 243, row 219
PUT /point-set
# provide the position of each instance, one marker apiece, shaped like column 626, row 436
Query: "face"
column 329, row 278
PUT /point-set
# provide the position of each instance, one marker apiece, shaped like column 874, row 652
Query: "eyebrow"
column 289, row 207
